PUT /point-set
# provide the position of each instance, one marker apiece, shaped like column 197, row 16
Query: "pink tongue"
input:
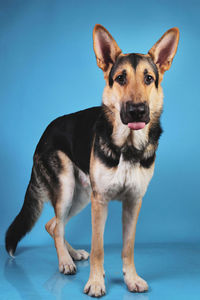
column 136, row 125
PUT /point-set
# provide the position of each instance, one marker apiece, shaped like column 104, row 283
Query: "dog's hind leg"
column 76, row 254
column 50, row 226
column 62, row 205
column 81, row 199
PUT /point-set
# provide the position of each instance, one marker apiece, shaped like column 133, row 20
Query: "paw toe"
column 137, row 285
column 67, row 268
column 80, row 255
column 95, row 289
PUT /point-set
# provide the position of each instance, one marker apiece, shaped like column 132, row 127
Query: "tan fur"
column 131, row 211
column 95, row 285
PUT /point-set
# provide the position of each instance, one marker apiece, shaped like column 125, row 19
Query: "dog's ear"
column 105, row 47
column 164, row 50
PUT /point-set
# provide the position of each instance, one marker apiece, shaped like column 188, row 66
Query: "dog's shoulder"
column 72, row 134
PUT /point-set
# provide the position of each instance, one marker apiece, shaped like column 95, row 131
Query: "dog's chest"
column 127, row 179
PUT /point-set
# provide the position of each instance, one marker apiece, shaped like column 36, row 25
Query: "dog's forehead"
column 133, row 59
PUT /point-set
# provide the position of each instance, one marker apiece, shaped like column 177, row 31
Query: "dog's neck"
column 114, row 139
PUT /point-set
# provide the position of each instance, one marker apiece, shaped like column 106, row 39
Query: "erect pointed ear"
column 105, row 47
column 164, row 50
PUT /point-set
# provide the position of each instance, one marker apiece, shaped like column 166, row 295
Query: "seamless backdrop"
column 48, row 68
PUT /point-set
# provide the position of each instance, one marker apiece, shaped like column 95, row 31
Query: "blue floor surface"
column 171, row 270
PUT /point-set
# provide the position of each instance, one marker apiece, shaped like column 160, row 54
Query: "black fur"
column 134, row 59
column 147, row 162
column 103, row 146
column 155, row 69
column 48, row 167
column 132, row 154
column 72, row 134
column 27, row 217
column 155, row 131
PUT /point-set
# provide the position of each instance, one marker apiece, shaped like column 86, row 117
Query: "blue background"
column 48, row 68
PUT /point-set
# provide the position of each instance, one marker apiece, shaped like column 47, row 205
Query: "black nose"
column 134, row 112
column 135, row 109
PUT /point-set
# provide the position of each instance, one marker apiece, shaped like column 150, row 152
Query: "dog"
column 101, row 153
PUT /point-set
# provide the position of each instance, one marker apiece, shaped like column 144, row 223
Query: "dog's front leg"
column 131, row 209
column 95, row 286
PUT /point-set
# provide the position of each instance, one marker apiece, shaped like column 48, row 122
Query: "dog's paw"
column 95, row 288
column 67, row 266
column 135, row 283
column 79, row 255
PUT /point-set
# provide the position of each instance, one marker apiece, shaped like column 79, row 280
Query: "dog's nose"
column 136, row 110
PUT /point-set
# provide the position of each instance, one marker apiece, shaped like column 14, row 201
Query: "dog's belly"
column 82, row 192
column 127, row 180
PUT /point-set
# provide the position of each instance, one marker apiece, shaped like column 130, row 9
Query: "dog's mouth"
column 135, row 116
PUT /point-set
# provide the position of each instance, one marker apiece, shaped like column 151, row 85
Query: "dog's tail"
column 27, row 217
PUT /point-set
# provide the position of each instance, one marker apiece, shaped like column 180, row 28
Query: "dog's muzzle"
column 135, row 113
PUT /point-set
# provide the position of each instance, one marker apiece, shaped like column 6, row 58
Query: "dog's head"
column 133, row 88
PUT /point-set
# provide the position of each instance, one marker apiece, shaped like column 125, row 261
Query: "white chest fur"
column 127, row 179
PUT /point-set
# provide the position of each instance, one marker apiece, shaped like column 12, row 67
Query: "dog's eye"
column 148, row 79
column 121, row 79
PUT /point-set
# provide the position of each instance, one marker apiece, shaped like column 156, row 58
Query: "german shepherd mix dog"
column 102, row 153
